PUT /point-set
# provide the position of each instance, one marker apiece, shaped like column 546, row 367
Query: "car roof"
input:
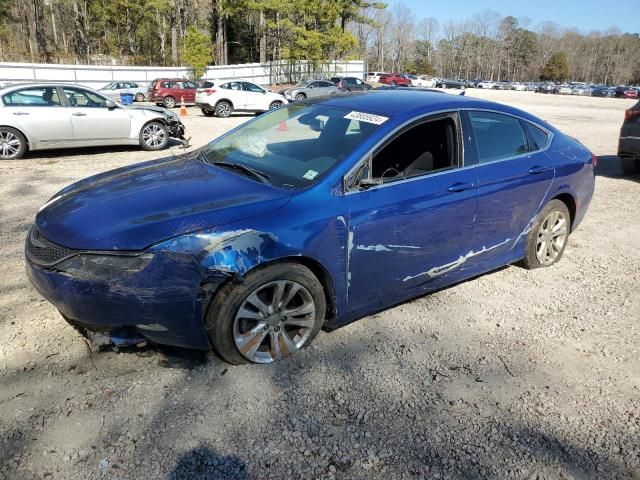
column 391, row 103
column 16, row 86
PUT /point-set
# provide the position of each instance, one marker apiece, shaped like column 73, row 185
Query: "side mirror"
column 111, row 104
column 367, row 183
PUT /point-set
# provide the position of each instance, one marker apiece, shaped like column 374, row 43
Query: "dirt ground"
column 516, row 374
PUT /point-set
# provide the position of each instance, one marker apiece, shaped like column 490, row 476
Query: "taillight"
column 209, row 91
column 594, row 160
column 629, row 114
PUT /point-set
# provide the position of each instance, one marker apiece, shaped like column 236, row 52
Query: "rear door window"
column 498, row 136
column 232, row 86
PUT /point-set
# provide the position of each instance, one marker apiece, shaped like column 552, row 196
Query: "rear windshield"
column 296, row 145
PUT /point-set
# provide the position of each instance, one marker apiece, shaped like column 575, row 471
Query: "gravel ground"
column 516, row 374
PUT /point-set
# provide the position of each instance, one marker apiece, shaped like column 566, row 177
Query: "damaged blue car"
column 309, row 217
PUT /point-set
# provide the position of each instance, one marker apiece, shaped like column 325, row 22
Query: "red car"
column 169, row 92
column 395, row 79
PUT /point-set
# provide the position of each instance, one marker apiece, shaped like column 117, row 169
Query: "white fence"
column 96, row 76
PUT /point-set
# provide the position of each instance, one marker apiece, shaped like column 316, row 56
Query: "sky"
column 585, row 15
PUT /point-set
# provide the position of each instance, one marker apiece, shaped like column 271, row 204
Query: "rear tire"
column 13, row 144
column 224, row 109
column 169, row 102
column 629, row 165
column 548, row 237
column 154, row 136
column 224, row 322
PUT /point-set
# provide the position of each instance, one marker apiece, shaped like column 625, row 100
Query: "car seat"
column 420, row 166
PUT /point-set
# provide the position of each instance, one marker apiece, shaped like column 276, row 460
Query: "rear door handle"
column 21, row 113
column 539, row 169
column 79, row 114
column 460, row 186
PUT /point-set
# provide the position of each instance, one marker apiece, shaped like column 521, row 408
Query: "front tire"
column 548, row 237
column 270, row 315
column 154, row 136
column 629, row 165
column 301, row 96
column 224, row 109
column 275, row 105
column 13, row 144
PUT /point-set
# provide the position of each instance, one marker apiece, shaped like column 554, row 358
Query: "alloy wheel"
column 552, row 236
column 223, row 110
column 274, row 321
column 9, row 145
column 153, row 135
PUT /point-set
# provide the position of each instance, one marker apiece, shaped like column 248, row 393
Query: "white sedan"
column 114, row 89
column 223, row 98
column 45, row 116
column 423, row 81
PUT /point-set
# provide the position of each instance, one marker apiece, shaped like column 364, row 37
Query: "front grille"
column 44, row 252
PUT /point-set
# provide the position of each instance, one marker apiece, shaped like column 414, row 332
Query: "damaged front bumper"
column 176, row 129
column 164, row 303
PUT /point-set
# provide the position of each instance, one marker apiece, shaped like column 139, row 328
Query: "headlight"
column 103, row 267
column 172, row 115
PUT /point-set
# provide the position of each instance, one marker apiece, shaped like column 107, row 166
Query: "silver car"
column 114, row 89
column 47, row 116
column 310, row 89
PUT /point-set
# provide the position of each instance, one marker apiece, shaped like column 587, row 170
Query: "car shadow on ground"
column 609, row 166
column 70, row 153
column 204, row 463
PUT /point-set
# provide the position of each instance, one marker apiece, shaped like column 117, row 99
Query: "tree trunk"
column 263, row 38
column 80, row 37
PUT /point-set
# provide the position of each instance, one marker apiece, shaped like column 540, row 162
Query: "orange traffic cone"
column 183, row 108
column 282, row 127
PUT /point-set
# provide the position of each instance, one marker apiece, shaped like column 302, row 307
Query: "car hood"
column 147, row 107
column 134, row 207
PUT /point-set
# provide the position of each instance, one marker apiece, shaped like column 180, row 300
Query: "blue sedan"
column 309, row 217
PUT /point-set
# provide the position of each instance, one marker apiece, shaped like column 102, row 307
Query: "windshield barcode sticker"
column 367, row 117
column 310, row 175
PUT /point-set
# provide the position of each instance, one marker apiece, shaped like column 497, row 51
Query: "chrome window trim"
column 367, row 156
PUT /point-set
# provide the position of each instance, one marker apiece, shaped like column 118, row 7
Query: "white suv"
column 223, row 98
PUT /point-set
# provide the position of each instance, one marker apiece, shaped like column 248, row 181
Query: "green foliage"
column 196, row 51
column 556, row 69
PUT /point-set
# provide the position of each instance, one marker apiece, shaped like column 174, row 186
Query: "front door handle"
column 21, row 113
column 460, row 186
column 539, row 169
column 79, row 114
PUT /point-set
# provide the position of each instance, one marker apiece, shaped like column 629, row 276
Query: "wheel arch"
column 22, row 132
column 569, row 200
column 319, row 270
column 224, row 100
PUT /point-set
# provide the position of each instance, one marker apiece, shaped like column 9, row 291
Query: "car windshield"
column 302, row 83
column 294, row 146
